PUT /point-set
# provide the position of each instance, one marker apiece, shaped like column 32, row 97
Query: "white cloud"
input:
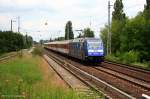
column 34, row 13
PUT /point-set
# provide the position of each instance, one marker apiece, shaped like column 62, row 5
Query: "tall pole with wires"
column 109, row 31
column 11, row 24
column 11, row 21
column 18, row 24
column 68, row 31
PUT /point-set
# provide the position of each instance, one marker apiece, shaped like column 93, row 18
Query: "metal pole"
column 109, row 31
column 68, row 31
column 11, row 25
column 108, row 28
column 18, row 24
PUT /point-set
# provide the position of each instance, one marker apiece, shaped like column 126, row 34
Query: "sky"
column 83, row 13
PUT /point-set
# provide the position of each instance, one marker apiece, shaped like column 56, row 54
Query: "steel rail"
column 96, row 79
column 61, row 63
column 7, row 57
column 132, row 67
column 135, row 81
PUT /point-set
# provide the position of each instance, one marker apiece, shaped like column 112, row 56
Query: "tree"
column 11, row 41
column 68, row 31
column 79, row 36
column 88, row 32
column 28, row 41
column 118, row 23
column 147, row 10
column 103, row 35
column 136, row 37
column 59, row 39
column 130, row 37
column 118, row 13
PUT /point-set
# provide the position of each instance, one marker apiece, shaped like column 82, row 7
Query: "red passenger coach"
column 58, row 46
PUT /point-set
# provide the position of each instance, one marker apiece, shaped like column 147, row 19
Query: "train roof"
column 86, row 39
column 58, row 42
column 74, row 40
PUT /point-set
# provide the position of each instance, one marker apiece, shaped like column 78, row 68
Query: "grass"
column 38, row 50
column 23, row 76
column 24, row 70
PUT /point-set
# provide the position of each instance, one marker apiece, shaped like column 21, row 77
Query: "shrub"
column 38, row 51
column 129, row 57
column 148, row 64
column 112, row 58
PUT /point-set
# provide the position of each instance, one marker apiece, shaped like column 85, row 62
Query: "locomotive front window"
column 94, row 45
column 95, row 48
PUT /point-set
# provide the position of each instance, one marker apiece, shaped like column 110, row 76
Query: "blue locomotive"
column 87, row 49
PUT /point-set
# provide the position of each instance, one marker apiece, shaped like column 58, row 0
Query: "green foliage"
column 136, row 36
column 23, row 76
column 16, row 70
column 147, row 10
column 88, row 32
column 28, row 41
column 10, row 41
column 118, row 23
column 112, row 58
column 59, row 39
column 80, row 35
column 148, row 64
column 104, row 36
column 118, row 11
column 68, row 31
column 129, row 36
column 129, row 57
column 125, row 57
column 38, row 51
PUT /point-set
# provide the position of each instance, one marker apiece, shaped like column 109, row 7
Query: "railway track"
column 139, row 73
column 90, row 93
column 124, row 81
column 90, row 76
column 130, row 79
column 7, row 57
column 133, row 67
column 134, row 88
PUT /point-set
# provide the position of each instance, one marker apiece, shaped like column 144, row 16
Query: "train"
column 85, row 49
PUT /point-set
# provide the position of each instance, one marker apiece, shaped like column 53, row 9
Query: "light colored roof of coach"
column 58, row 42
column 74, row 40
column 86, row 38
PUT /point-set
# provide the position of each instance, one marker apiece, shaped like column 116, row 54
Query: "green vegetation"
column 128, row 58
column 24, row 76
column 59, row 39
column 38, row 51
column 16, row 71
column 130, row 37
column 118, row 23
column 88, row 32
column 68, row 31
column 10, row 41
column 147, row 10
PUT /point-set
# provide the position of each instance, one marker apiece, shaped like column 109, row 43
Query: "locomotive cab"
column 94, row 50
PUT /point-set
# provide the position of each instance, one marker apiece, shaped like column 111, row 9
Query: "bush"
column 38, row 51
column 112, row 58
column 129, row 57
column 148, row 64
